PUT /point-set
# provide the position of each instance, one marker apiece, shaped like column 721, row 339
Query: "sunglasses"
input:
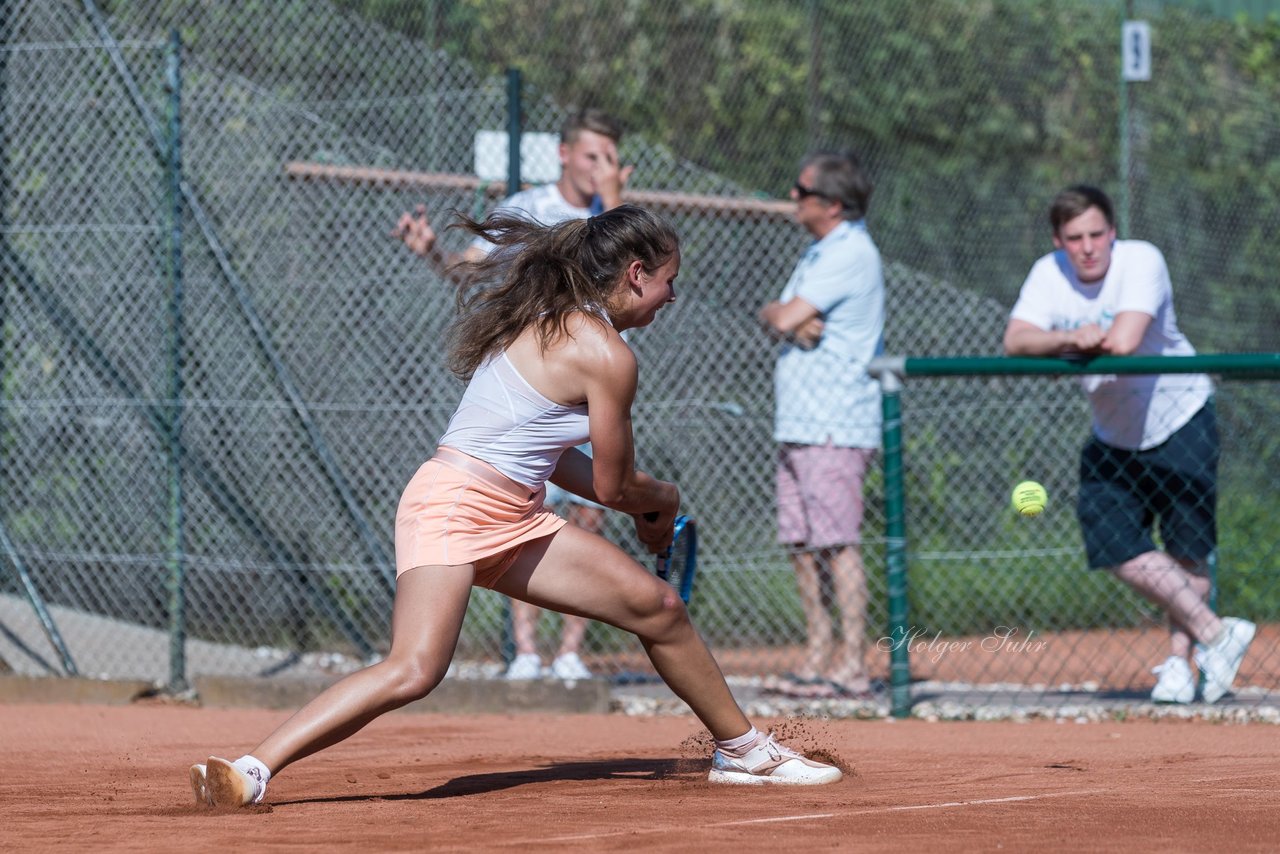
column 803, row 192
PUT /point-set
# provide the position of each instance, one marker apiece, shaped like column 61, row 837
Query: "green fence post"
column 888, row 372
column 177, row 542
column 1122, row 207
column 515, row 129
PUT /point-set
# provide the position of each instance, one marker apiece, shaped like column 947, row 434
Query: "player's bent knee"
column 410, row 680
column 666, row 614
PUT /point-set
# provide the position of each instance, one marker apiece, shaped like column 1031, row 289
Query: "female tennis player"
column 537, row 336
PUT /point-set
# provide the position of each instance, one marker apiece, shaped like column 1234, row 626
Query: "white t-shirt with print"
column 1133, row 411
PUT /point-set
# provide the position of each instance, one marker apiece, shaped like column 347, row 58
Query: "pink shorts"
column 820, row 495
column 459, row 510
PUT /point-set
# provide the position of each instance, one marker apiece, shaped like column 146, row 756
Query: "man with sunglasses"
column 830, row 322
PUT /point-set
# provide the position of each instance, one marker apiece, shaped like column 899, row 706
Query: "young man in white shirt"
column 591, row 182
column 1153, row 450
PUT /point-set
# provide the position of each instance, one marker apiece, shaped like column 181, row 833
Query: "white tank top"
column 512, row 426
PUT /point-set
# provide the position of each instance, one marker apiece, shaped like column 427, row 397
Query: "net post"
column 889, row 372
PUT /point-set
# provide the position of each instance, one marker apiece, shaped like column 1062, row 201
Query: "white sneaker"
column 228, row 786
column 526, row 666
column 198, row 787
column 1176, row 683
column 1219, row 662
column 770, row 763
column 569, row 668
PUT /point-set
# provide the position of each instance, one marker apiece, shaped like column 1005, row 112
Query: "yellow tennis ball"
column 1029, row 498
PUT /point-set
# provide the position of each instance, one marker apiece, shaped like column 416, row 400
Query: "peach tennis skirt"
column 458, row 510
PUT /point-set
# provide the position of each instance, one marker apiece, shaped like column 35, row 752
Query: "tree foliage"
column 971, row 115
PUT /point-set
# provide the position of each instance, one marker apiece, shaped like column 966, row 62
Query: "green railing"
column 891, row 371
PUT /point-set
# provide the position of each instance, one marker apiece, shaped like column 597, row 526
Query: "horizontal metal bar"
column 1227, row 364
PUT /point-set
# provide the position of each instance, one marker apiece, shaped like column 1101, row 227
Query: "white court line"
column 822, row 815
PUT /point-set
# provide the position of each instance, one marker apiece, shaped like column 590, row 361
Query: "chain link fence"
column 250, row 510
column 1034, row 625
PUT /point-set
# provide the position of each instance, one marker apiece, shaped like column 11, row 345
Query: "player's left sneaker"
column 229, row 786
column 766, row 763
column 1218, row 662
column 198, row 787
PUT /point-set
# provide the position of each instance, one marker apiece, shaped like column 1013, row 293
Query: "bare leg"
column 572, row 634
column 524, row 626
column 581, row 573
column 429, row 606
column 1165, row 582
column 574, row 630
column 1180, row 639
column 818, row 633
column 850, row 582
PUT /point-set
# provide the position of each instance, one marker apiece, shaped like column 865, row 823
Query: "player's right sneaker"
column 525, row 666
column 769, row 763
column 1176, row 683
column 1220, row 661
column 198, row 788
column 228, row 786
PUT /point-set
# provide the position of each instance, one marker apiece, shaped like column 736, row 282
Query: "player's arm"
column 611, row 389
column 1126, row 332
column 415, row 231
column 610, row 378
column 796, row 318
column 1022, row 338
column 574, row 474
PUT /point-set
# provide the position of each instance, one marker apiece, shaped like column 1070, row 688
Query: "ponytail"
column 539, row 275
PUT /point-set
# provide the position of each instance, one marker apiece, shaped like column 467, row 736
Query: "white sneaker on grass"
column 1218, row 662
column 569, row 667
column 768, row 763
column 525, row 666
column 1176, row 683
column 228, row 786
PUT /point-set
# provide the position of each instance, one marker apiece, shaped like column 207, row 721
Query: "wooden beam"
column 399, row 178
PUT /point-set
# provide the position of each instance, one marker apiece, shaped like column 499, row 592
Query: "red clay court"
column 114, row 778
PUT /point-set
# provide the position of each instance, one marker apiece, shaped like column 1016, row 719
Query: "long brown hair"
column 538, row 275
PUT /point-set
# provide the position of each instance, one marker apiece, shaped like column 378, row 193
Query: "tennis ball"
column 1029, row 498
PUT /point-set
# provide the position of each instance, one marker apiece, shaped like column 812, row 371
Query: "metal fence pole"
column 177, row 546
column 515, row 129
column 1123, row 197
column 261, row 335
column 895, row 530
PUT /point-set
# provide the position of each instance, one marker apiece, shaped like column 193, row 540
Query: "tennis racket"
column 679, row 563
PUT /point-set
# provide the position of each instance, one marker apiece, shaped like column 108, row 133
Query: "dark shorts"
column 1123, row 493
